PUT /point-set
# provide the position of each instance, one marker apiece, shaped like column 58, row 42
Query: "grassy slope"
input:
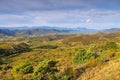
column 108, row 71
column 64, row 54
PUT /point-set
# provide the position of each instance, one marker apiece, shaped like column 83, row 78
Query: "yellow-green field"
column 61, row 57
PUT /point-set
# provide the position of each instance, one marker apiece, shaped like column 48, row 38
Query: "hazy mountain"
column 7, row 32
column 41, row 30
column 111, row 30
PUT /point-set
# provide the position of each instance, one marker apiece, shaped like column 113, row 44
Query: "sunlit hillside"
column 61, row 57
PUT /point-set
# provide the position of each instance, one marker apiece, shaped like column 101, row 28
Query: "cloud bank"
column 96, row 14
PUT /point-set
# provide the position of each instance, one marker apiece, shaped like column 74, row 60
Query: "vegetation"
column 23, row 68
column 60, row 57
column 8, row 49
column 45, row 69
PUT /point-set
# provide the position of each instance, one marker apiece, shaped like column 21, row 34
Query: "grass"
column 97, row 59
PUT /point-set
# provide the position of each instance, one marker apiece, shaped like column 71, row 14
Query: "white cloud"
column 63, row 18
column 89, row 21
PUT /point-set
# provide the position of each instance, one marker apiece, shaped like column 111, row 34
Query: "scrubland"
column 61, row 57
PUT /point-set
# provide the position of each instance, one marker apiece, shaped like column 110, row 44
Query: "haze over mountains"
column 42, row 30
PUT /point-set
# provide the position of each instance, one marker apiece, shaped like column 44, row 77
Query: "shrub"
column 45, row 69
column 48, row 47
column 64, row 77
column 23, row 68
column 22, row 47
column 110, row 45
column 68, row 74
column 7, row 51
column 72, row 74
column 82, row 55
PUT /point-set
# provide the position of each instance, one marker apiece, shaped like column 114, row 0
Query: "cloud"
column 89, row 21
column 63, row 13
column 15, row 6
column 63, row 18
column 16, row 20
column 20, row 6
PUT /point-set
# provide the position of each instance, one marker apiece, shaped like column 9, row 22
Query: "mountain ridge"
column 41, row 30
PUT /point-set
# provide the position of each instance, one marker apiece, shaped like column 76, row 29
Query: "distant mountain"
column 37, row 32
column 85, row 30
column 111, row 30
column 42, row 30
column 7, row 32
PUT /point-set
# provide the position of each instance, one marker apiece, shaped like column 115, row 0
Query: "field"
column 61, row 57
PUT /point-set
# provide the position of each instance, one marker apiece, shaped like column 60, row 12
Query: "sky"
column 94, row 14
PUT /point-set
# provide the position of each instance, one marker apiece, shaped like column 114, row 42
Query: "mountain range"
column 42, row 30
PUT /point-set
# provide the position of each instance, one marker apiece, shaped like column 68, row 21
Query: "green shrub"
column 48, row 47
column 72, row 74
column 23, row 68
column 110, row 45
column 45, row 69
column 22, row 47
column 64, row 77
column 68, row 74
column 84, row 54
column 80, row 56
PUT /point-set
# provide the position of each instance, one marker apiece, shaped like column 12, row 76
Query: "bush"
column 23, row 68
column 48, row 47
column 22, row 47
column 64, row 77
column 82, row 55
column 45, row 69
column 72, row 74
column 110, row 45
column 6, row 52
column 68, row 74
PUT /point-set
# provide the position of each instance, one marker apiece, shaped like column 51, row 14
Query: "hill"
column 60, row 57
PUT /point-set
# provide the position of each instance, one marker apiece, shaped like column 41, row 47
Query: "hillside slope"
column 109, row 71
column 61, row 57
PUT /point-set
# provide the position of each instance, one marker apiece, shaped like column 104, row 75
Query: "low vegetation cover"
column 8, row 49
column 60, row 57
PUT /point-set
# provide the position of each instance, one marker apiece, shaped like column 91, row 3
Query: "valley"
column 60, row 57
